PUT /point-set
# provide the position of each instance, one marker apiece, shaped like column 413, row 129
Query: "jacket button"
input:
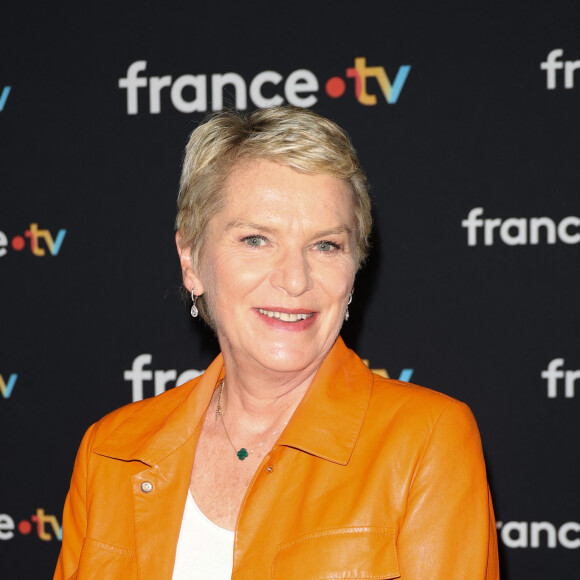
column 146, row 487
column 270, row 468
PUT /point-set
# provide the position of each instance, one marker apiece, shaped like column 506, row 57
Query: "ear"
column 190, row 278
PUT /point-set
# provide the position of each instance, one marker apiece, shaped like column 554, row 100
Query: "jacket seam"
column 89, row 454
column 350, row 530
column 347, row 531
column 119, row 549
column 427, row 444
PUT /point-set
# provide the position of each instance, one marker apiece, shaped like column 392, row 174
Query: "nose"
column 291, row 272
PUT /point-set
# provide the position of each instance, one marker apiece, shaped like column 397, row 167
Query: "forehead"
column 272, row 191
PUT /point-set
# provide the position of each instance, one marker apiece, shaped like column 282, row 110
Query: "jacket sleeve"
column 449, row 528
column 74, row 520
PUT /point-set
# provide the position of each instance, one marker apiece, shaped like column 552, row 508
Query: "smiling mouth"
column 286, row 316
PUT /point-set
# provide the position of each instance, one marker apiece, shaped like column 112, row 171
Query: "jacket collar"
column 326, row 423
column 163, row 424
column 329, row 419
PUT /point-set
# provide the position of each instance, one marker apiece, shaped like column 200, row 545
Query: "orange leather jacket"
column 372, row 478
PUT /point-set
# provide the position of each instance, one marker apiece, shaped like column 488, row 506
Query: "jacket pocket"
column 361, row 552
column 101, row 560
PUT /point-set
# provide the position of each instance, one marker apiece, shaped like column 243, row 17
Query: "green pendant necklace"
column 241, row 453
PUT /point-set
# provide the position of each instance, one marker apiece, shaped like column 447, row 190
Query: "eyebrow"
column 246, row 224
column 341, row 229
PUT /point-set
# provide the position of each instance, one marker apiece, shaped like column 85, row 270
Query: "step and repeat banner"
column 466, row 117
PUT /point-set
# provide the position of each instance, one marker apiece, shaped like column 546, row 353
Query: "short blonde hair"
column 292, row 136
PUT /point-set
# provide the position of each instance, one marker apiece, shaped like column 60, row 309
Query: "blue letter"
column 398, row 83
column 4, row 97
column 6, row 388
column 58, row 242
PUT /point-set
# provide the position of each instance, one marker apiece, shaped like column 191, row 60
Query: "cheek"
column 338, row 280
column 227, row 279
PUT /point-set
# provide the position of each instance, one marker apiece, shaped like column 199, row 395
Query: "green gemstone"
column 242, row 454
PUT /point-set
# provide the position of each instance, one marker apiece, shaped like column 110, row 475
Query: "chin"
column 290, row 359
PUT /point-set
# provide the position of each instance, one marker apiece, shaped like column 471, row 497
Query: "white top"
column 204, row 549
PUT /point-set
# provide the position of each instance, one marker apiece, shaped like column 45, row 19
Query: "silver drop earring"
column 194, row 310
column 347, row 313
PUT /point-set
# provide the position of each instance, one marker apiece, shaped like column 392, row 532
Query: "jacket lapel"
column 323, row 425
column 162, row 435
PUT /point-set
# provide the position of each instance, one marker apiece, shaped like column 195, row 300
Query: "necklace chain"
column 242, row 453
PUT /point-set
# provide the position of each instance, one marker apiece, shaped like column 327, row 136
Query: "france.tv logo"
column 35, row 236
column 336, row 86
column 46, row 526
column 198, row 93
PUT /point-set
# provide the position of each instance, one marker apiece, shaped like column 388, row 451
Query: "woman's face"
column 278, row 264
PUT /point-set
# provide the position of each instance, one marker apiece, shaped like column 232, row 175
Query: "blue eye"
column 254, row 241
column 327, row 246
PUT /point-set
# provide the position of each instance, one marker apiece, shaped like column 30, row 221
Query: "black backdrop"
column 475, row 125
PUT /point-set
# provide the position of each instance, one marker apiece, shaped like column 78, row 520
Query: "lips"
column 286, row 316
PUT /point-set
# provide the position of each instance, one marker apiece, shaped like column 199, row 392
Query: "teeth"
column 284, row 316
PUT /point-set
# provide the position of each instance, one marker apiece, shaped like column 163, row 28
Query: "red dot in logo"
column 335, row 87
column 18, row 243
column 24, row 527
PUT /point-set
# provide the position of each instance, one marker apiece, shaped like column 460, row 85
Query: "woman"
column 288, row 458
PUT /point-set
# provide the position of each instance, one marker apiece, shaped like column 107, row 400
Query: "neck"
column 254, row 400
